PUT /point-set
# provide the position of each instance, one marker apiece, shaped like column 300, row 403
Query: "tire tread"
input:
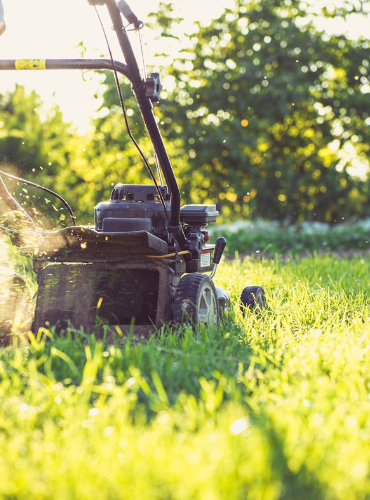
column 248, row 297
column 187, row 293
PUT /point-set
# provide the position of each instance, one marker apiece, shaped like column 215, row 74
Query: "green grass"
column 274, row 406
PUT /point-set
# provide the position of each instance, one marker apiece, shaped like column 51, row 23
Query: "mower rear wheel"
column 253, row 297
column 196, row 301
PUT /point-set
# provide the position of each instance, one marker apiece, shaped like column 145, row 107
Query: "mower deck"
column 84, row 244
column 92, row 295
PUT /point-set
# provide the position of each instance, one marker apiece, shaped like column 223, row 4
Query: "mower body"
column 120, row 274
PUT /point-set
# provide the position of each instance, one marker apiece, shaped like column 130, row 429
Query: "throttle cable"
column 33, row 184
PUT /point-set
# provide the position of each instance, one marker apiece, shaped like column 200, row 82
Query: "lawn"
column 268, row 406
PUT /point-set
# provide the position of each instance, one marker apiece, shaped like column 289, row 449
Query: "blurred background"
column 265, row 109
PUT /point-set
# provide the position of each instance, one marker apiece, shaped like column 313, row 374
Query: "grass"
column 274, row 406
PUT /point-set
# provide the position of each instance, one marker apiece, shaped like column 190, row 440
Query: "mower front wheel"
column 196, row 301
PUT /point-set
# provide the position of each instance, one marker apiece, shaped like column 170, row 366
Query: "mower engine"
column 133, row 207
column 137, row 207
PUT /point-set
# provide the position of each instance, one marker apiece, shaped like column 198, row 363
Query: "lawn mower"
column 145, row 262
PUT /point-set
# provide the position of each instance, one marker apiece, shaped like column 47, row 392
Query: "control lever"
column 219, row 250
column 126, row 11
column 2, row 20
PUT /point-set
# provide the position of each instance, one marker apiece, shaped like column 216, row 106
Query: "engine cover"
column 133, row 207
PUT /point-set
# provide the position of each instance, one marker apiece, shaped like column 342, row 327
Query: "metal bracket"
column 153, row 87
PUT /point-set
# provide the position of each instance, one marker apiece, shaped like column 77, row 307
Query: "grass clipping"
column 15, row 298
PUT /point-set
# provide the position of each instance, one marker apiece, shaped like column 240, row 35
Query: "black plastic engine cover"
column 133, row 207
column 198, row 215
column 126, row 225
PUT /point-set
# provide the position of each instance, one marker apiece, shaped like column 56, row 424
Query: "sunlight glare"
column 51, row 29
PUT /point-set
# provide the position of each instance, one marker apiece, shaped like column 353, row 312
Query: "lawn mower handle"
column 2, row 20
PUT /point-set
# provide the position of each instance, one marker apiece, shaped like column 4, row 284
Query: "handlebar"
column 2, row 20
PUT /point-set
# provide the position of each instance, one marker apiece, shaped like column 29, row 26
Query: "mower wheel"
column 196, row 301
column 253, row 297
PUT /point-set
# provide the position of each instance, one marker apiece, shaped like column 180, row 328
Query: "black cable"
column 3, row 228
column 29, row 183
column 119, row 90
column 15, row 203
column 142, row 54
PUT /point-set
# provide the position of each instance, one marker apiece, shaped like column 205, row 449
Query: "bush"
column 271, row 237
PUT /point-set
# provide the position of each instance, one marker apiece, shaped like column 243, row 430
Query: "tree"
column 39, row 146
column 265, row 108
column 110, row 154
column 31, row 138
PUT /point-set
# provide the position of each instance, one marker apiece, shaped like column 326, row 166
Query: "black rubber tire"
column 253, row 297
column 195, row 298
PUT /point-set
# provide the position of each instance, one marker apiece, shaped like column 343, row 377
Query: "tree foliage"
column 30, row 137
column 272, row 113
column 110, row 153
column 40, row 146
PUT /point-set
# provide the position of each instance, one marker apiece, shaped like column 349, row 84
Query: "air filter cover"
column 198, row 215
